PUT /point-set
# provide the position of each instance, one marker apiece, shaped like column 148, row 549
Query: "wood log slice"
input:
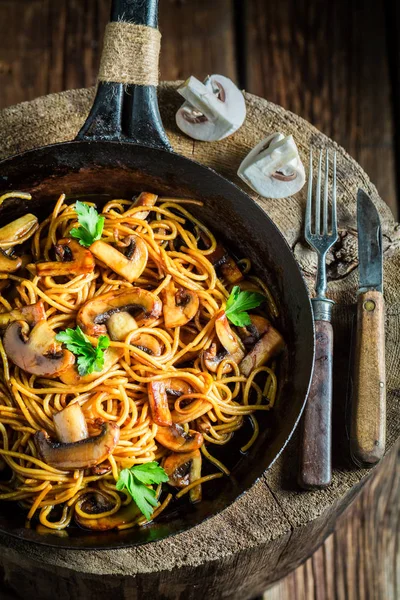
column 274, row 526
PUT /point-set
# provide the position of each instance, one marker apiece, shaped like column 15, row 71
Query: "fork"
column 315, row 459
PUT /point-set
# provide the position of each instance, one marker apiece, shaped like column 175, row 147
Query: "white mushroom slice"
column 213, row 109
column 273, row 168
column 129, row 265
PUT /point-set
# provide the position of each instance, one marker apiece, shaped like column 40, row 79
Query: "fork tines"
column 313, row 234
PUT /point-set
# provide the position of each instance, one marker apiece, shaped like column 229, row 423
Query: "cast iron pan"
column 121, row 150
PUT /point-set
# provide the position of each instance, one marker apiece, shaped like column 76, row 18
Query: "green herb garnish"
column 91, row 224
column 90, row 358
column 136, row 479
column 239, row 302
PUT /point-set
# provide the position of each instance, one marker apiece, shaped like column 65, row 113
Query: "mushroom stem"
column 70, row 424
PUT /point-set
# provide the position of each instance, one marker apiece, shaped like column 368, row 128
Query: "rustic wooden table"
column 335, row 64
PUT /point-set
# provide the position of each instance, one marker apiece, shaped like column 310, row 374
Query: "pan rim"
column 124, row 543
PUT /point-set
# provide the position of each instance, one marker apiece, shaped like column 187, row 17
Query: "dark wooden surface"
column 337, row 65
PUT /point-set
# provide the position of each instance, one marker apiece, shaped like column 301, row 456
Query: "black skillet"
column 121, row 150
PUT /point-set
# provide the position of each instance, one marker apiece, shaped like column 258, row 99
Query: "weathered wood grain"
column 198, row 39
column 361, row 560
column 328, row 62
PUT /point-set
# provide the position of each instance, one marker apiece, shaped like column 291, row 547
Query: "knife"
column 368, row 418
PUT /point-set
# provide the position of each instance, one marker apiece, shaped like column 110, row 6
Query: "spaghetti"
column 172, row 373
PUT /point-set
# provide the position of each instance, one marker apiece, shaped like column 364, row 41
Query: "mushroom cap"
column 9, row 264
column 18, row 231
column 271, row 344
column 78, row 455
column 273, row 168
column 179, row 305
column 38, row 354
column 176, row 439
column 31, row 313
column 213, row 110
column 130, row 265
column 93, row 315
column 89, row 503
column 75, row 260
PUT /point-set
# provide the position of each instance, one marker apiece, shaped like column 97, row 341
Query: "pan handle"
column 127, row 112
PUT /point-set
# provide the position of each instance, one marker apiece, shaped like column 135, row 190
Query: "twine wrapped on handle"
column 130, row 54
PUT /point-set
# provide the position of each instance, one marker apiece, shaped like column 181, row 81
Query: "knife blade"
column 369, row 244
column 368, row 421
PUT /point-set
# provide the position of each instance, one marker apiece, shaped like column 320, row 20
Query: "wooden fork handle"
column 368, row 417
column 315, row 458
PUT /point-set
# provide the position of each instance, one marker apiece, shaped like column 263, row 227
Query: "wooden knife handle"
column 315, row 459
column 368, row 416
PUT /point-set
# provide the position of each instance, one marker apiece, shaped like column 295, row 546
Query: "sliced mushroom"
column 158, row 402
column 38, row 354
column 18, row 231
column 9, row 264
column 271, row 344
column 93, row 503
column 129, row 265
column 179, row 305
column 213, row 110
column 144, row 199
column 213, row 358
column 72, row 377
column 222, row 261
column 273, row 168
column 79, row 455
column 32, row 314
column 176, row 439
column 70, row 424
column 74, row 260
column 94, row 314
column 228, row 338
column 252, row 333
column 183, row 469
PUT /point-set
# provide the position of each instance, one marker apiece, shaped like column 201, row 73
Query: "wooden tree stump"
column 274, row 526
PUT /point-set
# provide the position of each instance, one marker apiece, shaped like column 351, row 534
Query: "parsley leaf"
column 136, row 479
column 91, row 224
column 90, row 358
column 239, row 302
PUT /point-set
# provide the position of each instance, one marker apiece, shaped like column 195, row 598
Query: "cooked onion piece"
column 213, row 110
column 273, row 168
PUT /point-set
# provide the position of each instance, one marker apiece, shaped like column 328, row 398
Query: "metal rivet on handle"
column 369, row 305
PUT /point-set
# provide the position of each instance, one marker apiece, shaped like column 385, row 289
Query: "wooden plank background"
column 335, row 64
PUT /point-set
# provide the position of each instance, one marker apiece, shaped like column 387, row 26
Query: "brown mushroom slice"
column 252, row 333
column 179, row 305
column 18, row 231
column 74, row 260
column 144, row 199
column 94, row 314
column 70, row 424
column 176, row 439
column 38, row 354
column 31, row 313
column 228, row 338
column 129, row 265
column 158, row 402
column 212, row 359
column 9, row 264
column 79, row 455
column 221, row 260
column 183, row 469
column 271, row 344
column 72, row 377
column 92, row 503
